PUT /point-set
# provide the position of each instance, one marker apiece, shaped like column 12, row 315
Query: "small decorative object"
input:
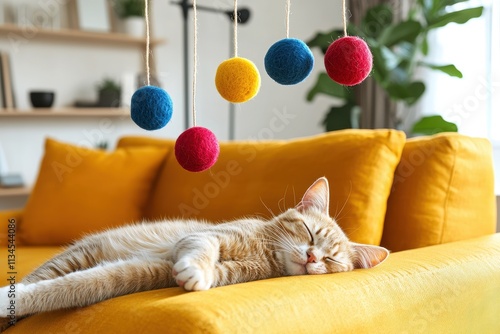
column 11, row 181
column 237, row 79
column 102, row 145
column 348, row 60
column 132, row 13
column 197, row 148
column 93, row 15
column 289, row 61
column 109, row 94
column 42, row 99
column 151, row 107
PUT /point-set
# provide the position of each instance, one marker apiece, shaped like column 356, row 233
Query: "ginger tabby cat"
column 193, row 255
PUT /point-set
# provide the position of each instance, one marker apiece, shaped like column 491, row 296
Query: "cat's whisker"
column 344, row 216
column 268, row 209
column 343, row 206
column 283, row 199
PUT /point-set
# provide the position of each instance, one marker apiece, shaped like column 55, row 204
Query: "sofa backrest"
column 266, row 177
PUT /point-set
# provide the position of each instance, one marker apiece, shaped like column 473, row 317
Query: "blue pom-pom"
column 289, row 61
column 151, row 108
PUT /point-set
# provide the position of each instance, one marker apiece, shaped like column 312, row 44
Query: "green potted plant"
column 109, row 93
column 131, row 12
column 398, row 48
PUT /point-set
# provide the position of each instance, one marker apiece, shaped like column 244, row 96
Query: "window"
column 473, row 102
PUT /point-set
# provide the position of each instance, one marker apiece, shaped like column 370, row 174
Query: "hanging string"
column 195, row 58
column 146, row 14
column 235, row 35
column 344, row 20
column 287, row 10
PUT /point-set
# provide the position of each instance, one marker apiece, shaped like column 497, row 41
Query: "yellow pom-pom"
column 237, row 80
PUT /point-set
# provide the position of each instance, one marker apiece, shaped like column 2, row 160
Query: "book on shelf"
column 8, row 100
column 2, row 93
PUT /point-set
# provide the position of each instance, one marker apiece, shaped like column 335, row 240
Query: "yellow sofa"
column 430, row 200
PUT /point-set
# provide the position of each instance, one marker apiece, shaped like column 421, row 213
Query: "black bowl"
column 42, row 99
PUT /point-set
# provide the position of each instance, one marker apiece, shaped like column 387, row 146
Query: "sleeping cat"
column 193, row 255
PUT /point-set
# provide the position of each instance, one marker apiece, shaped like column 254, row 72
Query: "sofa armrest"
column 5, row 218
column 448, row 288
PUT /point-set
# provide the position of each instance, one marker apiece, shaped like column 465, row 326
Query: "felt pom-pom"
column 151, row 108
column 197, row 149
column 237, row 80
column 289, row 61
column 348, row 60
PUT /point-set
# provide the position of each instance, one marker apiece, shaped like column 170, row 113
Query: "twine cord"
column 287, row 18
column 235, row 35
column 146, row 15
column 344, row 20
column 195, row 58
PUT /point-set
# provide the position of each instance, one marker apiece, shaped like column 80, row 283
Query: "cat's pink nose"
column 311, row 257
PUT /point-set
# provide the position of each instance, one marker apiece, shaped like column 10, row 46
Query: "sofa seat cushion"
column 450, row 288
column 265, row 177
column 80, row 190
column 443, row 191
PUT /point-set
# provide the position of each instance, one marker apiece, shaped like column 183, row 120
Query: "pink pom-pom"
column 348, row 60
column 197, row 149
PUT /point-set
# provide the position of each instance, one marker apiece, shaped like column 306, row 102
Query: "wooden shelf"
column 21, row 191
column 66, row 112
column 80, row 35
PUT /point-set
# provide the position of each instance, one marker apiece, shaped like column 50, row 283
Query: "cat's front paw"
column 191, row 277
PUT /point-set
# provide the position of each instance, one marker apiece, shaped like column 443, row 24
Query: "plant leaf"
column 409, row 93
column 325, row 85
column 445, row 3
column 430, row 125
column 323, row 40
column 460, row 17
column 424, row 47
column 403, row 31
column 451, row 70
column 377, row 18
column 339, row 118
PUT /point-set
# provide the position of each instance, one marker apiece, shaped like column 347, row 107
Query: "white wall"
column 73, row 68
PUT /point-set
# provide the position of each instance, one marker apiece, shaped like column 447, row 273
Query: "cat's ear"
column 317, row 196
column 368, row 256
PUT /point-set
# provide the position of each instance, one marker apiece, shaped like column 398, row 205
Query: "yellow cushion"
column 9, row 222
column 80, row 190
column 452, row 288
column 443, row 191
column 257, row 178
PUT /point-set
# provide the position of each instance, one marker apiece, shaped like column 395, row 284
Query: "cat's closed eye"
column 310, row 234
column 329, row 259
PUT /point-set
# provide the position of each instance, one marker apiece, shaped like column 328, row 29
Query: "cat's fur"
column 193, row 255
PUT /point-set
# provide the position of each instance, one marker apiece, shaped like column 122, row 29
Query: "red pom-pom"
column 197, row 149
column 348, row 60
